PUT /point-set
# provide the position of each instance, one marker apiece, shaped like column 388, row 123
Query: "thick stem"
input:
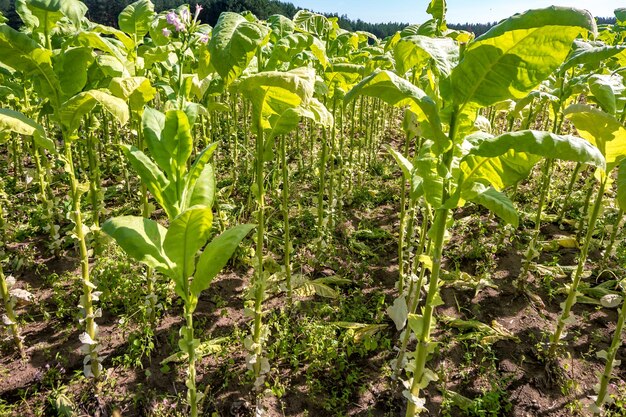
column 192, row 394
column 424, row 345
column 259, row 284
column 320, row 193
column 401, row 232
column 10, row 313
column 285, row 204
column 90, row 325
column 610, row 357
column 573, row 289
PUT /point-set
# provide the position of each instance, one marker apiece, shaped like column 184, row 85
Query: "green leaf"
column 202, row 192
column 590, row 53
column 403, row 163
column 44, row 14
column 548, row 145
column 177, row 141
column 437, row 9
column 23, row 54
column 499, row 171
column 136, row 18
column 313, row 23
column 496, row 202
column 73, row 110
column 273, row 92
column 233, row 44
column 605, row 88
column 281, row 27
column 153, row 178
column 136, row 90
column 71, row 69
column 600, row 129
column 399, row 92
column 141, row 239
column 152, row 123
column 16, row 122
column 621, row 185
column 417, row 50
column 514, row 56
column 187, row 234
column 216, row 255
column 432, row 183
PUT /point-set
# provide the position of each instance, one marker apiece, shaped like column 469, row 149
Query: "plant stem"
column 609, row 248
column 86, row 299
column 573, row 289
column 192, row 395
column 610, row 357
column 568, row 193
column 522, row 280
column 423, row 344
column 8, row 305
column 287, row 245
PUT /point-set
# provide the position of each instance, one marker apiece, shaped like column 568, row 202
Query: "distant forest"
column 106, row 12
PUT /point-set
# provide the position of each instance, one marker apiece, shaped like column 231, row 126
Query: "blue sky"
column 459, row 11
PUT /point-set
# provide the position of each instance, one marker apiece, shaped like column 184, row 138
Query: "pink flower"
column 198, row 10
column 204, row 38
column 166, row 32
column 171, row 18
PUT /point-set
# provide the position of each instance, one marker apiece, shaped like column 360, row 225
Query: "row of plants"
column 187, row 117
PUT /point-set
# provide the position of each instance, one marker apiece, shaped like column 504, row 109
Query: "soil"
column 469, row 367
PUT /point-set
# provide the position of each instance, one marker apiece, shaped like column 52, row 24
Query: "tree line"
column 106, row 12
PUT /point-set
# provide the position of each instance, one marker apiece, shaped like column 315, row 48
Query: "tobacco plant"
column 461, row 166
column 173, row 252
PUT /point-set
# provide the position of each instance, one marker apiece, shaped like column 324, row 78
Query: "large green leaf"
column 605, row 89
column 202, row 191
column 206, row 189
column 601, row 129
column 177, row 142
column 136, row 90
column 141, row 239
column 548, row 145
column 405, row 165
column 216, row 255
column 586, row 52
column 233, row 43
column 153, row 178
column 73, row 110
column 187, row 234
column 426, row 167
column 42, row 15
column 16, row 122
column 499, row 171
column 71, row 68
column 152, row 124
column 96, row 41
column 514, row 56
column 313, row 23
column 273, row 92
column 23, row 54
column 399, row 92
column 496, row 202
column 416, row 50
column 136, row 18
column 281, row 27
